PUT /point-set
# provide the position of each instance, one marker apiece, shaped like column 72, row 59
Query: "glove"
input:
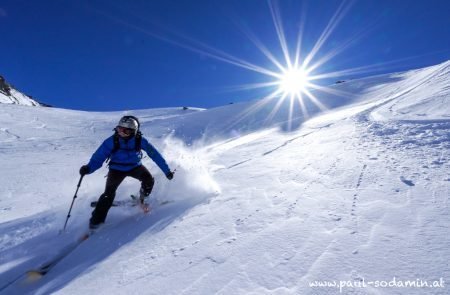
column 84, row 170
column 169, row 175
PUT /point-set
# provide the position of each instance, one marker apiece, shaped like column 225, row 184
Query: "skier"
column 123, row 149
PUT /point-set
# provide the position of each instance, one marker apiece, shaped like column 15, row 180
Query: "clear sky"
column 103, row 55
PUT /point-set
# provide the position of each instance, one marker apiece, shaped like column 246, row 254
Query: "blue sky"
column 104, row 55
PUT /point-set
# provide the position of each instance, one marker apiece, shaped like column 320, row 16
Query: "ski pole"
column 73, row 201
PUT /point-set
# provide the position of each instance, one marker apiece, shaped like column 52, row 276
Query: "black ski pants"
column 114, row 179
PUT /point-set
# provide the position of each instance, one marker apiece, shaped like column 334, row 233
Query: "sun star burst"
column 293, row 81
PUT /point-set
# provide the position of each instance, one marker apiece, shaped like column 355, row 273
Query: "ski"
column 37, row 273
column 133, row 202
column 121, row 203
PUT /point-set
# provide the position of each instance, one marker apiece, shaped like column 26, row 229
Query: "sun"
column 293, row 81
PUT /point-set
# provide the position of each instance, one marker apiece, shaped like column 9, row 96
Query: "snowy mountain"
column 9, row 95
column 265, row 199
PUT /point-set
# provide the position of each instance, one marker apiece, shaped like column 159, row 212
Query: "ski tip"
column 145, row 207
column 86, row 236
column 33, row 276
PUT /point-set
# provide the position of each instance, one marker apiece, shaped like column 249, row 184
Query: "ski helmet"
column 128, row 122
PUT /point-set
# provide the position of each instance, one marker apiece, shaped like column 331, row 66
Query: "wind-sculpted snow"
column 259, row 204
column 423, row 96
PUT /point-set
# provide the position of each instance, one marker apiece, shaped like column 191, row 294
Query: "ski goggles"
column 125, row 131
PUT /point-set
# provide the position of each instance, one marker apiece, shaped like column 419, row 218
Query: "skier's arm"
column 155, row 156
column 100, row 155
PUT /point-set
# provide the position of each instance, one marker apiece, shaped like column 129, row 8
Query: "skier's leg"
column 105, row 201
column 147, row 181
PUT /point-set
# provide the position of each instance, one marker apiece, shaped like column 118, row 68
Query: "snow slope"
column 262, row 202
column 17, row 97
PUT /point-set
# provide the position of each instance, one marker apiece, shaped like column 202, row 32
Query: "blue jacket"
column 126, row 157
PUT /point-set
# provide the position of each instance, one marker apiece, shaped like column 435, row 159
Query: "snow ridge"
column 9, row 95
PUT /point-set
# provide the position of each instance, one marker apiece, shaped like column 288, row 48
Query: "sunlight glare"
column 293, row 81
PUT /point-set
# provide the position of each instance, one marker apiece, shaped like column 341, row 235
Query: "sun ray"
column 333, row 91
column 315, row 100
column 339, row 49
column 382, row 66
column 298, row 44
column 257, row 42
column 194, row 46
column 277, row 21
column 225, row 57
column 274, row 111
column 332, row 24
column 302, row 105
column 291, row 112
column 248, row 86
column 254, row 108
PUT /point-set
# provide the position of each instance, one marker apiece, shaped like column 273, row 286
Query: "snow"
column 17, row 97
column 260, row 204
